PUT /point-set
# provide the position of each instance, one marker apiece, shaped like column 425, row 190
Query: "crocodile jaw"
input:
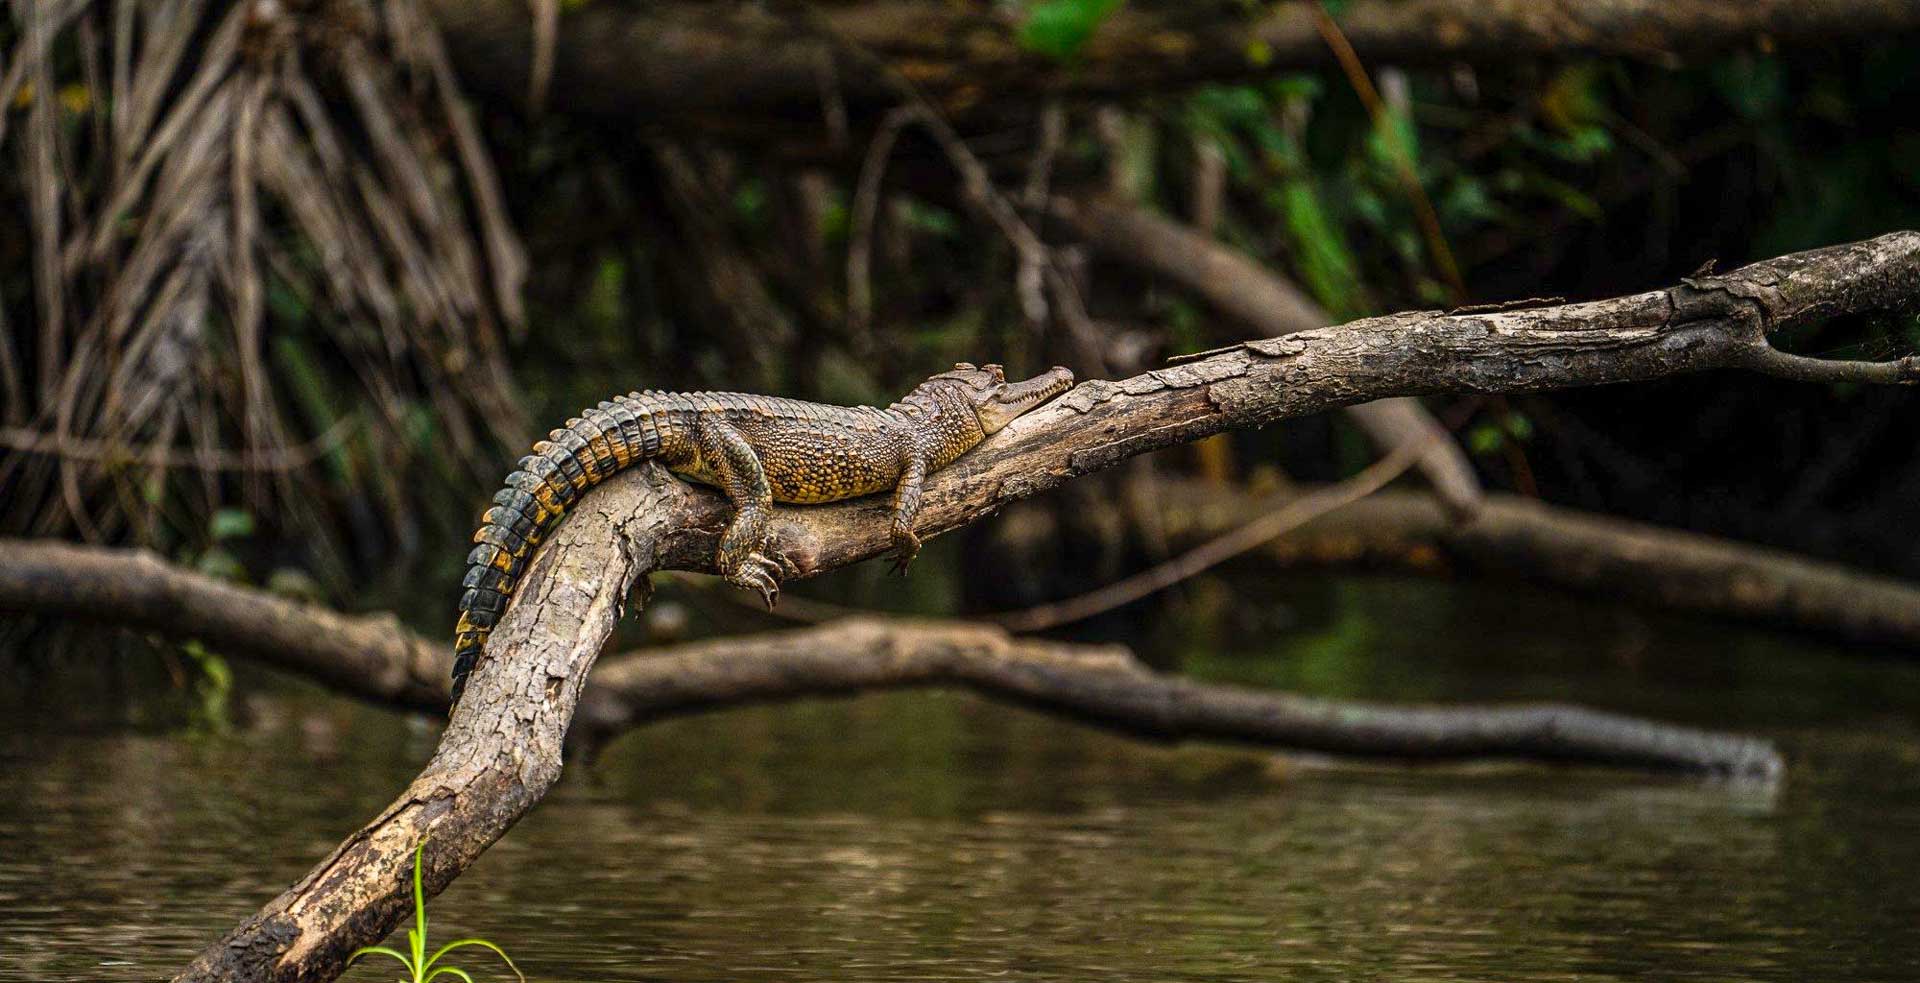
column 1008, row 402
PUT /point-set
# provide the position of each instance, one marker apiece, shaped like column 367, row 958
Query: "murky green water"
column 921, row 836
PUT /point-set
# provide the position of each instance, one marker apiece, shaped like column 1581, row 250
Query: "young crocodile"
column 757, row 449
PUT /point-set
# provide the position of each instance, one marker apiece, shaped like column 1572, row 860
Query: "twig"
column 1403, row 164
column 1053, row 133
column 1295, row 513
column 546, row 37
column 866, row 209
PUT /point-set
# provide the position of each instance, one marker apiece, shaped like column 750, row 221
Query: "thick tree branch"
column 1239, row 287
column 1700, row 324
column 370, row 656
column 745, row 70
column 502, row 749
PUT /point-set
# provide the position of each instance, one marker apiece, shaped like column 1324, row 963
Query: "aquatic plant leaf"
column 381, row 950
column 449, row 947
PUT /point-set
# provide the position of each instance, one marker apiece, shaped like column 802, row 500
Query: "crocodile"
column 757, row 450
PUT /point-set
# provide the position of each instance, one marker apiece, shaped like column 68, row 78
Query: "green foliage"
column 231, row 524
column 1325, row 260
column 225, row 527
column 212, row 689
column 421, row 967
column 931, row 219
column 1495, row 435
column 1058, row 29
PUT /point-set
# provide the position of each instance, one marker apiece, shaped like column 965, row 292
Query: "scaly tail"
column 593, row 447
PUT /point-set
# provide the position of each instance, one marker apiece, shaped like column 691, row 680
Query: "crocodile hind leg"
column 744, row 549
column 906, row 507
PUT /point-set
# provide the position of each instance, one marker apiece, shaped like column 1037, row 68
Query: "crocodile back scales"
column 811, row 452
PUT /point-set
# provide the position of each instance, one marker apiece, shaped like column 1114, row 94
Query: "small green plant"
column 422, row 966
column 1060, row 28
column 213, row 688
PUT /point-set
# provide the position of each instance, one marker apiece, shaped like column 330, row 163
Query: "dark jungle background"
column 285, row 290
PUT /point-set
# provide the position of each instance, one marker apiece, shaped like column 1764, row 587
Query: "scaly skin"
column 758, row 450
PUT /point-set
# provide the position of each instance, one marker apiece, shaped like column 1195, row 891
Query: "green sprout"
column 422, row 966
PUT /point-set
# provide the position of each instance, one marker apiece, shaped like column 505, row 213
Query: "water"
column 929, row 836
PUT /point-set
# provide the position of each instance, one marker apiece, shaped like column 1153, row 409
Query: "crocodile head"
column 995, row 401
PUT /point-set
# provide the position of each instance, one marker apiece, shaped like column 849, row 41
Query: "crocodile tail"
column 591, row 448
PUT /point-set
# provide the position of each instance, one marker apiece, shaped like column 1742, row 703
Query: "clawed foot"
column 758, row 573
column 905, row 546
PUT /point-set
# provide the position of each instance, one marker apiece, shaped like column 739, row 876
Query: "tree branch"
column 502, row 749
column 374, row 658
column 1239, row 287
column 742, row 71
column 1107, row 687
column 1531, row 541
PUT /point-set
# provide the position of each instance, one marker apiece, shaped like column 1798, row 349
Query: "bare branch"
column 1536, row 543
column 501, row 751
column 1235, row 285
column 375, row 658
column 740, row 71
column 1108, row 688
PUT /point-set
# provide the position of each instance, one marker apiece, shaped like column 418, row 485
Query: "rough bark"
column 376, row 659
column 761, row 72
column 502, row 749
column 370, row 656
column 498, row 756
column 1238, row 286
column 1700, row 324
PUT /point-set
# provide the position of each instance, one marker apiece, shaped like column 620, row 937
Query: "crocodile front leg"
column 743, row 558
column 906, row 508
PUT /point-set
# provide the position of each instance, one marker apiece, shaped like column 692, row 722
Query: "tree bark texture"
column 502, row 748
column 1236, row 285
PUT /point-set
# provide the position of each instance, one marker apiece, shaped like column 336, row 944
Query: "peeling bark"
column 1239, row 287
column 502, row 749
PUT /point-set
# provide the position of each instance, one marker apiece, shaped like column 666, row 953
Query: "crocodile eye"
column 999, row 372
column 963, row 366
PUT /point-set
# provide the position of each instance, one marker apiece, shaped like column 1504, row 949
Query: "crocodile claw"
column 760, row 574
column 905, row 547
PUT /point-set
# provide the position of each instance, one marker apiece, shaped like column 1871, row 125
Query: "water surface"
column 931, row 836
